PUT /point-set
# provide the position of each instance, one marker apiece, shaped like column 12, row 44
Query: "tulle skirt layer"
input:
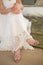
column 13, row 31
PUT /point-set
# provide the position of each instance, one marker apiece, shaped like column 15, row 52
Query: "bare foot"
column 32, row 42
column 17, row 56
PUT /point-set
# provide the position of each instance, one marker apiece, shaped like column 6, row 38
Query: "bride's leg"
column 30, row 39
column 17, row 55
column 16, row 49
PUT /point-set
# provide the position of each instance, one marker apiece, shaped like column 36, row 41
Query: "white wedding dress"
column 13, row 30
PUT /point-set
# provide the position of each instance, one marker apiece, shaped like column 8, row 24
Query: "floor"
column 29, row 57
